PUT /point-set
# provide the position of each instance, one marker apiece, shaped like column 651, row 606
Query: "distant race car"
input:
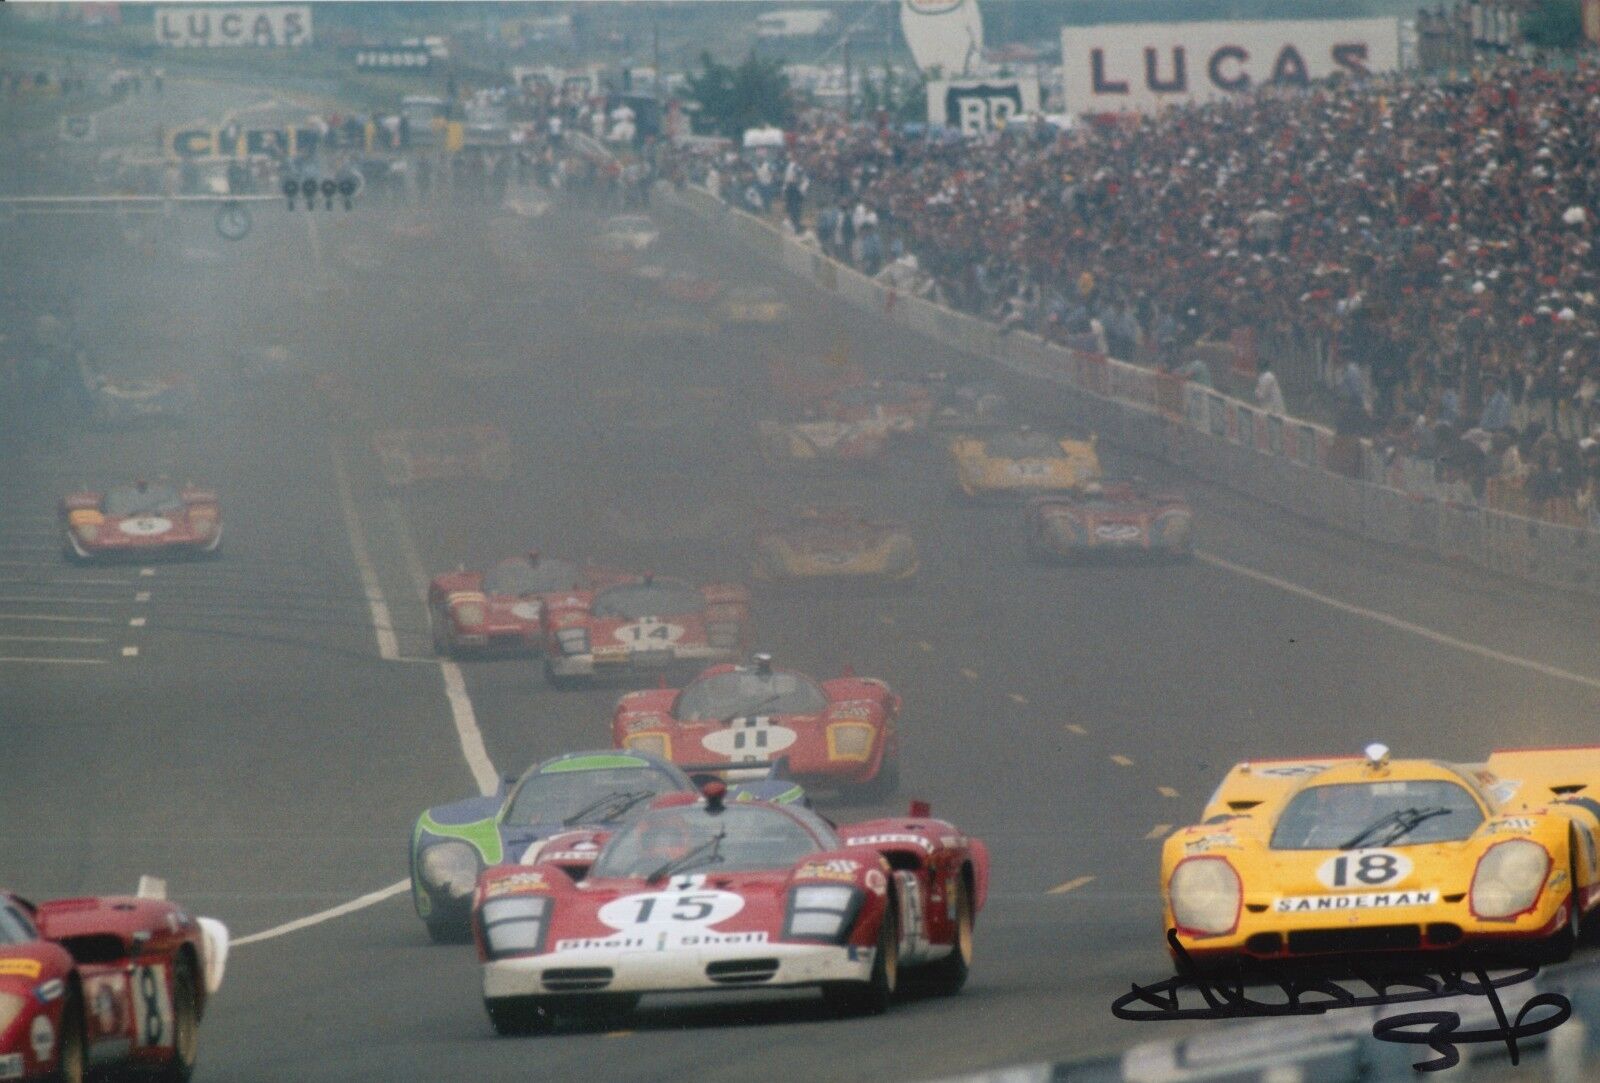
column 753, row 306
column 718, row 895
column 1109, row 517
column 451, row 844
column 503, row 609
column 647, row 624
column 794, row 442
column 629, row 233
column 834, row 544
column 966, row 407
column 903, row 406
column 126, row 402
column 118, row 981
column 407, row 456
column 142, row 520
column 1365, row 854
column 1021, row 463
column 837, row 734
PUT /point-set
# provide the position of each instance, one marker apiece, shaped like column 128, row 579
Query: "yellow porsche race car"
column 1021, row 463
column 1358, row 855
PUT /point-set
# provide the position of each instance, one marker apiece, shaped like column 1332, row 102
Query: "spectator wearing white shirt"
column 1269, row 396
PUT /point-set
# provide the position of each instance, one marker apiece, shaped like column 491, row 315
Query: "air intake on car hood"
column 577, row 979
column 742, row 971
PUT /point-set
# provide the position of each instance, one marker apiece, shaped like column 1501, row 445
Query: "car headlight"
column 88, row 531
column 11, row 1005
column 1509, row 878
column 514, row 925
column 573, row 640
column 1205, row 893
column 469, row 613
column 450, row 867
column 821, row 912
column 651, row 744
column 849, row 741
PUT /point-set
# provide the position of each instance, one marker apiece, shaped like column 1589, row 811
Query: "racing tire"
column 441, row 635
column 185, row 1022
column 519, row 1017
column 72, row 1048
column 873, row 996
column 448, row 930
column 884, row 784
column 559, row 682
column 946, row 977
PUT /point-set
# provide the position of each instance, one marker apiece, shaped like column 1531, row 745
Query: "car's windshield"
column 519, row 576
column 753, row 836
column 131, row 500
column 1330, row 817
column 607, row 794
column 658, row 598
column 14, row 927
column 747, row 691
column 1023, row 445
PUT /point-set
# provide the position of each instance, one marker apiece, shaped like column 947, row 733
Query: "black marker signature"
column 1312, row 994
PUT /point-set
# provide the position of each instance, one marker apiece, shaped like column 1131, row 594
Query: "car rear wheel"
column 71, row 1054
column 559, row 682
column 873, row 996
column 947, row 976
column 185, row 1023
column 515, row 1017
column 438, row 622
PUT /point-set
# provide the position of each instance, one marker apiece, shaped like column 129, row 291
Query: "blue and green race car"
column 451, row 844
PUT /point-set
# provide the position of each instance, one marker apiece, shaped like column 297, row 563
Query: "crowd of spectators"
column 1425, row 247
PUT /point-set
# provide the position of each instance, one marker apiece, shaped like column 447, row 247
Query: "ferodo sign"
column 976, row 106
column 274, row 25
column 1144, row 66
column 220, row 142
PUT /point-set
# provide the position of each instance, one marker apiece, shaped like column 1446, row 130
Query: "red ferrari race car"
column 117, row 980
column 503, row 609
column 646, row 624
column 1118, row 517
column 904, row 406
column 698, row 894
column 838, row 734
column 141, row 520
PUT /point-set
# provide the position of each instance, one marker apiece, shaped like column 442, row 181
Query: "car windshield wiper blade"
column 625, row 798
column 745, row 712
column 707, row 853
column 1401, row 822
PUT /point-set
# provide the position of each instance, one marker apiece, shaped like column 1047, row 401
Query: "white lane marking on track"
column 382, row 622
column 1158, row 831
column 130, row 652
column 52, row 639
column 1166, row 791
column 1121, row 761
column 372, row 898
column 56, row 661
column 74, row 582
column 53, row 601
column 1073, row 727
column 455, row 684
column 1062, row 889
column 136, row 622
column 55, row 619
column 1399, row 624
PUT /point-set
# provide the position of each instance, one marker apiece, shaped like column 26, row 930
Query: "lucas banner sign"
column 1140, row 67
column 204, row 27
column 975, row 106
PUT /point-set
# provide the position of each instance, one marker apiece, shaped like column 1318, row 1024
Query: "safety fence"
column 1298, row 465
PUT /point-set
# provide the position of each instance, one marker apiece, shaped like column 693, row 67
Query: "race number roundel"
column 752, row 739
column 145, row 526
column 1356, row 869
column 658, row 911
column 647, row 633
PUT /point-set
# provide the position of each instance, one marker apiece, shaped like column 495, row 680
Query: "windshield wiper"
column 707, row 853
column 624, row 798
column 1401, row 822
column 745, row 712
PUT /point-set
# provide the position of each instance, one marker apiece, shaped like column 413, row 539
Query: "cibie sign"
column 239, row 143
column 1141, row 67
column 260, row 25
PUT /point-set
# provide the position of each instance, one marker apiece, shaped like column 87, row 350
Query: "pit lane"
column 262, row 755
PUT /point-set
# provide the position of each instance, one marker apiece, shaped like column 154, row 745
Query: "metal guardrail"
column 1282, row 460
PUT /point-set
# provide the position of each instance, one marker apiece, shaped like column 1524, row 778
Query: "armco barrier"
column 1281, row 460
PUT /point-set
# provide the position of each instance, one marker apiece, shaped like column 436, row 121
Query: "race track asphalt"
column 246, row 740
